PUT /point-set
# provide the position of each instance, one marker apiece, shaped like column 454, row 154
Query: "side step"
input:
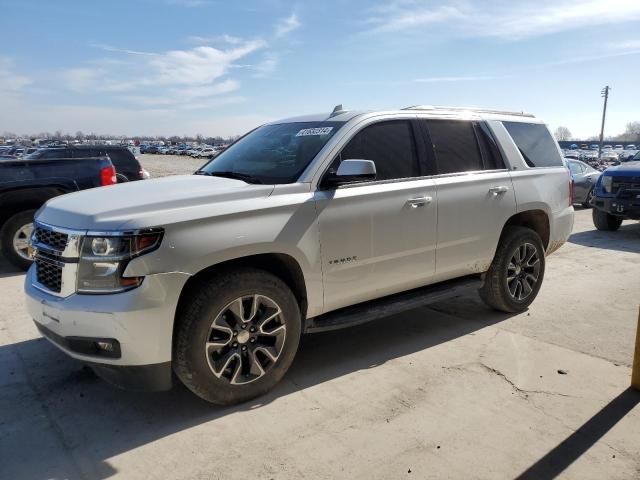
column 391, row 305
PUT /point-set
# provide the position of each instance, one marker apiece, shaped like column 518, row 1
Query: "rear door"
column 475, row 195
column 378, row 237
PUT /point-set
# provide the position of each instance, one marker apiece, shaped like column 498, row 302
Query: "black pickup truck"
column 26, row 184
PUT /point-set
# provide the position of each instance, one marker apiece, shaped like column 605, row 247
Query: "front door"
column 378, row 238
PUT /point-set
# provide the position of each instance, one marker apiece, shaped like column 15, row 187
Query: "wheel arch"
column 536, row 220
column 281, row 265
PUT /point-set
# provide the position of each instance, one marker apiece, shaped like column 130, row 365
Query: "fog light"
column 105, row 346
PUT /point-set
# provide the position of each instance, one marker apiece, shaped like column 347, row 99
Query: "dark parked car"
column 26, row 184
column 617, row 196
column 127, row 166
column 152, row 149
column 584, row 179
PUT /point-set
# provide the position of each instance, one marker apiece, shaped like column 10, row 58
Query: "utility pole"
column 605, row 93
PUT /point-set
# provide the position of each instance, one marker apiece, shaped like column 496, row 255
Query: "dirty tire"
column 605, row 221
column 195, row 319
column 7, row 234
column 494, row 291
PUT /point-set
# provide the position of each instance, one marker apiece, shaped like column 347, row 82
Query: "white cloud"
column 266, row 66
column 500, row 18
column 181, row 78
column 626, row 46
column 216, row 39
column 10, row 81
column 287, row 25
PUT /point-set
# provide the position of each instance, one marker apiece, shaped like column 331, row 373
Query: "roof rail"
column 470, row 109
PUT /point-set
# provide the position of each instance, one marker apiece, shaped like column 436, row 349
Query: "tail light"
column 571, row 185
column 108, row 175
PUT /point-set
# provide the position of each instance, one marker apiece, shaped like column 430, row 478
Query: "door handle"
column 419, row 201
column 498, row 190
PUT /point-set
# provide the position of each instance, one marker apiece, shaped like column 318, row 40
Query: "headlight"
column 607, row 183
column 103, row 260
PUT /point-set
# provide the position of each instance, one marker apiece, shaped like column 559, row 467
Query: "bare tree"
column 632, row 132
column 562, row 133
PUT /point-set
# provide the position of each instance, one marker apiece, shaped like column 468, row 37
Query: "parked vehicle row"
column 202, row 151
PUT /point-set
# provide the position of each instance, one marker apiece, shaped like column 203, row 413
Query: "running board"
column 391, row 305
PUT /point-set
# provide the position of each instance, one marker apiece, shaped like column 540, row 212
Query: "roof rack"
column 470, row 109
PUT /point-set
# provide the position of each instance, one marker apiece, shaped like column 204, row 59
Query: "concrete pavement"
column 450, row 391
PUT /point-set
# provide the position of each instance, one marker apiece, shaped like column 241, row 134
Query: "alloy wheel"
column 21, row 240
column 246, row 339
column 523, row 271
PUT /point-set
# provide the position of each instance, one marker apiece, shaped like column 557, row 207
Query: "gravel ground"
column 164, row 165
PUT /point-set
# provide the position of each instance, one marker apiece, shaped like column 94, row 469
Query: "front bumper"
column 621, row 207
column 139, row 323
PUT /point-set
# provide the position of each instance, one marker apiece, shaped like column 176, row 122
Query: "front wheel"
column 605, row 221
column 515, row 276
column 237, row 336
column 15, row 238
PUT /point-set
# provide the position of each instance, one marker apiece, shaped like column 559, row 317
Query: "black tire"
column 203, row 307
column 9, row 230
column 496, row 290
column 587, row 202
column 605, row 221
column 121, row 178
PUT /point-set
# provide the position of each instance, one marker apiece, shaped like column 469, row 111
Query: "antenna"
column 337, row 110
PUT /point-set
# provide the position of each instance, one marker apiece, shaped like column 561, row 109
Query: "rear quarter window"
column 537, row 146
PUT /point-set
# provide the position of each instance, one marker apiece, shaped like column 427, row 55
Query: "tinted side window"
column 55, row 153
column 455, row 146
column 535, row 144
column 390, row 145
column 491, row 155
column 119, row 158
column 82, row 153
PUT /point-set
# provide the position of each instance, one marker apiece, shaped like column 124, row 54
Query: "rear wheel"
column 237, row 336
column 15, row 238
column 605, row 221
column 515, row 275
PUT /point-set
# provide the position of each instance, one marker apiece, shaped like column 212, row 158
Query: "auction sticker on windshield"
column 305, row 132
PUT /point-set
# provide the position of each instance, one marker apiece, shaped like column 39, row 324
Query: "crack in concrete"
column 497, row 372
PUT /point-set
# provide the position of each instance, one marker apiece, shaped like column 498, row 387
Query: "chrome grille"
column 56, row 253
column 49, row 273
column 54, row 240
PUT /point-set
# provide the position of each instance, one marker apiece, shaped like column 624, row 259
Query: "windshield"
column 273, row 153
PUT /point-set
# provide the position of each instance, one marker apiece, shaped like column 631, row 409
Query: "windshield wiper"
column 228, row 174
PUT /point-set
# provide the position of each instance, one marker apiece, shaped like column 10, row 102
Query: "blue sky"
column 220, row 68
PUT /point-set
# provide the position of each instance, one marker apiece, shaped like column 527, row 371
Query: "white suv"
column 302, row 225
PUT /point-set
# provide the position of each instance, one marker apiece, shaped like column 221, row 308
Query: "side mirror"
column 351, row 171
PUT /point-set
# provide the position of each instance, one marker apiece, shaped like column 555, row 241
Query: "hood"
column 151, row 203
column 624, row 169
